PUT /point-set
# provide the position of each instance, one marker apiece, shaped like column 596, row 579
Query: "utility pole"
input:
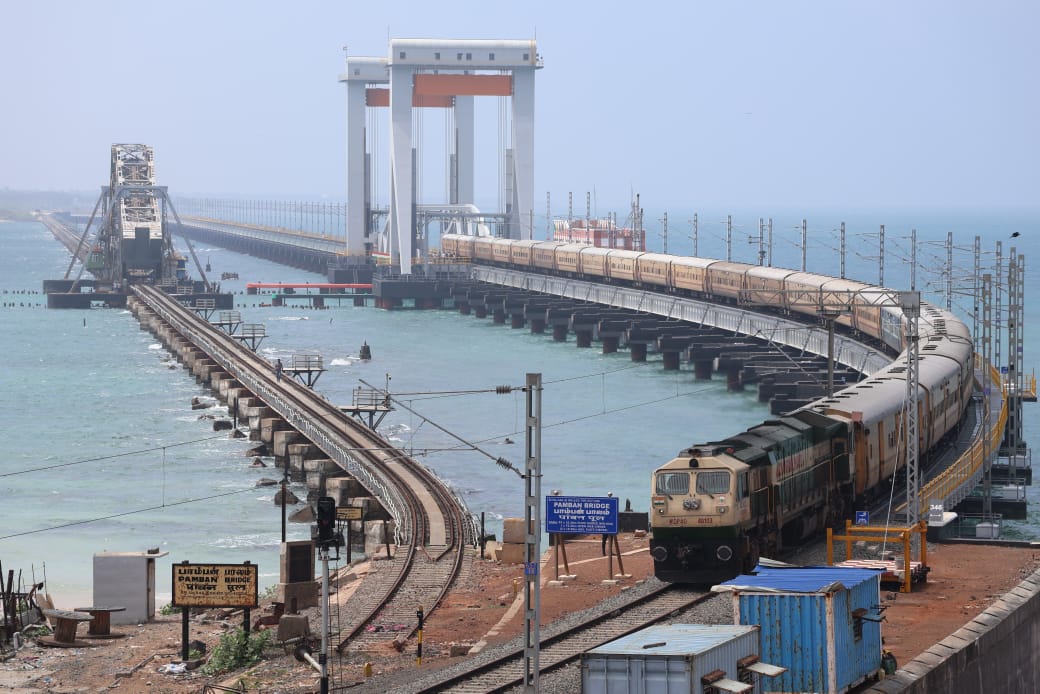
column 729, row 238
column 665, row 232
column 842, row 249
column 695, row 231
column 804, row 244
column 533, row 531
column 910, row 302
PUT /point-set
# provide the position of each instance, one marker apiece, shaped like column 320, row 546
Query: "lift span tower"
column 445, row 74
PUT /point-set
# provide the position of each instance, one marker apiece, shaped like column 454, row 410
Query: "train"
column 718, row 506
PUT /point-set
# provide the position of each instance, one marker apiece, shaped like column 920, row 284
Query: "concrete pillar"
column 523, row 149
column 583, row 338
column 702, row 369
column 538, row 325
column 638, row 351
column 559, row 332
column 671, row 361
column 610, row 344
column 499, row 316
column 516, row 321
column 401, row 166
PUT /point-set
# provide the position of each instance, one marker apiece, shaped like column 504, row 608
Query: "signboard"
column 215, row 585
column 862, row 518
column 348, row 513
column 581, row 515
column 936, row 509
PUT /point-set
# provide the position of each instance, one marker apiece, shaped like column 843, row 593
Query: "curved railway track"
column 506, row 669
column 432, row 525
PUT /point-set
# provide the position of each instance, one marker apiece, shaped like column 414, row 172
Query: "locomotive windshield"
column 715, row 482
column 673, row 483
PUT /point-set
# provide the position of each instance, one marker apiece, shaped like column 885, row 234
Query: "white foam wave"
column 291, row 318
column 345, row 361
column 154, row 346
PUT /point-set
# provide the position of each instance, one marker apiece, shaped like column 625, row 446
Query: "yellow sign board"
column 348, row 513
column 215, row 585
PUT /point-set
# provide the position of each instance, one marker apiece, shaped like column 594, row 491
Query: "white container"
column 670, row 658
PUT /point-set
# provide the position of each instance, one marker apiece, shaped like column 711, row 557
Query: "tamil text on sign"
column 580, row 515
column 215, row 585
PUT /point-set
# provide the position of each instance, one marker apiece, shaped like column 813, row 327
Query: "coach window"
column 742, row 485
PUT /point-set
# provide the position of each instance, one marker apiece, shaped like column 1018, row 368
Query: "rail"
column 232, row 356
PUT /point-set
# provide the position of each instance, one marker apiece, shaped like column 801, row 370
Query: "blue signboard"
column 862, row 518
column 581, row 515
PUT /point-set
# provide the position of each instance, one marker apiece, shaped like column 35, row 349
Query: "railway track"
column 432, row 524
column 506, row 669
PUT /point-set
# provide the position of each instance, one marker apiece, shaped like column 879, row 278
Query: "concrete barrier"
column 995, row 652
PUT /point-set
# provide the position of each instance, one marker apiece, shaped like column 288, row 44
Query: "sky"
column 886, row 104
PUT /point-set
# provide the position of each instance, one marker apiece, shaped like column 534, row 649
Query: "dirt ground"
column 487, row 606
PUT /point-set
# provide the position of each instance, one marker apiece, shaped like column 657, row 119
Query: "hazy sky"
column 817, row 104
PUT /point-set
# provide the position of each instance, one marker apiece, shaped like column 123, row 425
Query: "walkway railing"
column 961, row 478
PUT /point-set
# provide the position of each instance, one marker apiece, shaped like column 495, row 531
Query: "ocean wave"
column 345, row 361
column 291, row 318
column 155, row 345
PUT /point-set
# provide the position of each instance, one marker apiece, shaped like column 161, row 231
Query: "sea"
column 104, row 453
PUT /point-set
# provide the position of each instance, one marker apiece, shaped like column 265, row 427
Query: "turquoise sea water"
column 103, row 451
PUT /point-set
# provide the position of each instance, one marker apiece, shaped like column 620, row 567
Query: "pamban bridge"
column 136, row 249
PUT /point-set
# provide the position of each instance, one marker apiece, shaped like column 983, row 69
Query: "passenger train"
column 720, row 505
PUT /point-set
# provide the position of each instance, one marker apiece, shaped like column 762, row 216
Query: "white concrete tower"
column 361, row 72
column 430, row 73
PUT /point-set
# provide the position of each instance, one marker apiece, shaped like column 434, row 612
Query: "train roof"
column 693, row 261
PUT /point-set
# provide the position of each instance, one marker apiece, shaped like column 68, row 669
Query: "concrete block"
column 291, row 626
column 343, row 489
column 511, row 553
column 280, row 440
column 513, row 530
column 298, row 596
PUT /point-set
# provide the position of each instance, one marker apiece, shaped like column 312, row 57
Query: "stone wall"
column 995, row 652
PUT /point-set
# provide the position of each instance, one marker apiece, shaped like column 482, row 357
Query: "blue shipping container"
column 822, row 624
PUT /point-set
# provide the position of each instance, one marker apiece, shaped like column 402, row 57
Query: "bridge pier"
column 537, row 326
column 671, row 360
column 638, row 351
column 583, row 338
column 702, row 369
column 610, row 343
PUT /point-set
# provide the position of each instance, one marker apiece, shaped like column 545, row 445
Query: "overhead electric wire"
column 127, row 513
column 110, row 457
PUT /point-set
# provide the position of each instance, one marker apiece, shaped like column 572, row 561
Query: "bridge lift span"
column 430, row 73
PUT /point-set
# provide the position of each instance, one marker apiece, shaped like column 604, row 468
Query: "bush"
column 169, row 609
column 237, row 649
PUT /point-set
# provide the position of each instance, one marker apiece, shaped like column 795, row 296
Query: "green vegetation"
column 169, row 609
column 237, row 649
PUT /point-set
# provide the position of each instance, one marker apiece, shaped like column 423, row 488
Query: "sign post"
column 213, row 585
column 584, row 515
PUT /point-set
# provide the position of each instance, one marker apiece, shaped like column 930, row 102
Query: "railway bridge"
column 432, row 527
column 536, row 299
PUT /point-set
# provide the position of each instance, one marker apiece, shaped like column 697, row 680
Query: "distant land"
column 19, row 204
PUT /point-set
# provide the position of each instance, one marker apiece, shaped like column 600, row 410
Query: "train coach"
column 718, row 506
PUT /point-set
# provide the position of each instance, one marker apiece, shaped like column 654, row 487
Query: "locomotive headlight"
column 724, row 552
column 691, row 504
column 721, row 509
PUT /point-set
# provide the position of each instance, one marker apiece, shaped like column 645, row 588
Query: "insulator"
column 502, row 390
